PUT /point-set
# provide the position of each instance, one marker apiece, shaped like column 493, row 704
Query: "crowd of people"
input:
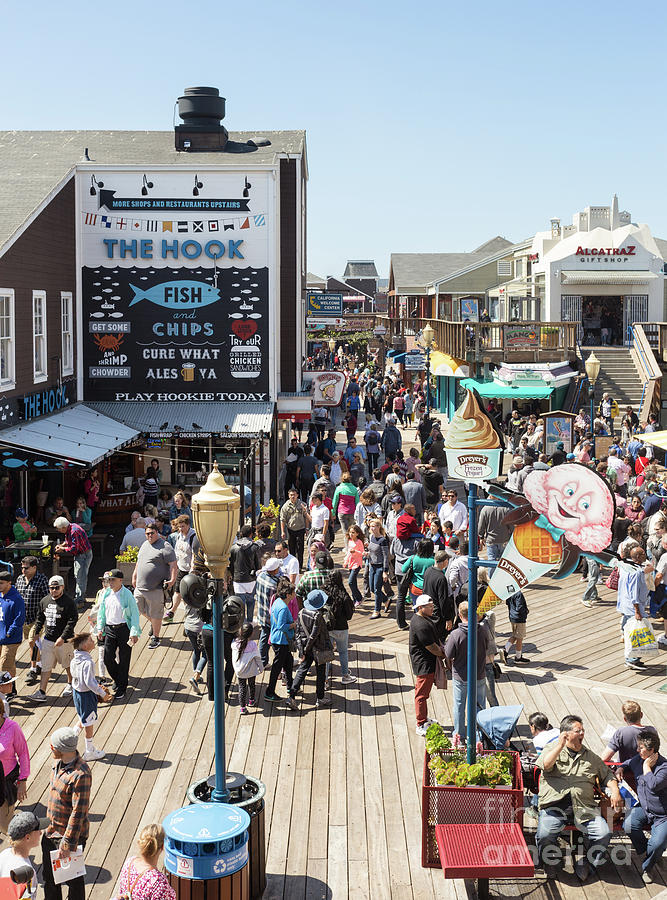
column 366, row 527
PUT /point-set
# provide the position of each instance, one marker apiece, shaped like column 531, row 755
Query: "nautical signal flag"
column 182, row 226
column 246, row 224
column 228, row 224
column 213, row 225
column 197, row 226
column 90, row 219
column 166, row 226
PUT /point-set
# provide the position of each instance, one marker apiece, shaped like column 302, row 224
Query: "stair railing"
column 649, row 371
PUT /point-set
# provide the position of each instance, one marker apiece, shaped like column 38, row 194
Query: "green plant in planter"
column 436, row 739
column 129, row 555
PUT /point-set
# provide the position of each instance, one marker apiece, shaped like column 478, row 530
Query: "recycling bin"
column 248, row 794
column 208, row 843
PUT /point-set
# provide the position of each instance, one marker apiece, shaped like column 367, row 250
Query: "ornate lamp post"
column 592, row 366
column 332, row 352
column 216, row 512
column 427, row 339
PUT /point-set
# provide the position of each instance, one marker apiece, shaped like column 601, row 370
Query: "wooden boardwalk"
column 343, row 785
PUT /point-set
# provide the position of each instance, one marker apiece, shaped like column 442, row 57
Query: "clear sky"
column 431, row 126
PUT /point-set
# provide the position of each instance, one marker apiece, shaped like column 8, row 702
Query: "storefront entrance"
column 605, row 321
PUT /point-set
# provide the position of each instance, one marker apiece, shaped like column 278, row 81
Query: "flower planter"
column 448, row 804
column 127, row 569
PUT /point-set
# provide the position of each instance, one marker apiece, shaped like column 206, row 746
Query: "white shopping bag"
column 639, row 638
column 68, row 867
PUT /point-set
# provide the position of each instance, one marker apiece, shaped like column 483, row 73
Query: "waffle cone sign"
column 566, row 513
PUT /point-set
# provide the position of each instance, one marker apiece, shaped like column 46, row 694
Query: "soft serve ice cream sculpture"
column 472, row 444
column 567, row 513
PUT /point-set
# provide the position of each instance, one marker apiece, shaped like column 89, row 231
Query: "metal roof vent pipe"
column 202, row 109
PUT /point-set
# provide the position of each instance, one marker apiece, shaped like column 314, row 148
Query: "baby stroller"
column 496, row 725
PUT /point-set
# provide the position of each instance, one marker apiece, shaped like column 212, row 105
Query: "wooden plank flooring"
column 343, row 785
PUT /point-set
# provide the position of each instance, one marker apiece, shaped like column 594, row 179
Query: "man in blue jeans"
column 456, row 656
column 650, row 770
column 76, row 542
column 570, row 773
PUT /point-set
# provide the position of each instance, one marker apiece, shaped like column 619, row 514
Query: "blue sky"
column 430, row 126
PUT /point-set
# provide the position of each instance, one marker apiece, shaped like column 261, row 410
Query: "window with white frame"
column 7, row 346
column 39, row 336
column 67, row 337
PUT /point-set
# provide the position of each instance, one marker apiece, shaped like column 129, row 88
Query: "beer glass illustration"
column 188, row 372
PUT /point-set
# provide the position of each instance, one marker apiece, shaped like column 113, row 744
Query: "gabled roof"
column 360, row 268
column 415, row 272
column 314, row 279
column 33, row 164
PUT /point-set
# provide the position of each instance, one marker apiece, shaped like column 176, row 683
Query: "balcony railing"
column 463, row 339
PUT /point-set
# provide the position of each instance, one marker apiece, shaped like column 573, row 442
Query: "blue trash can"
column 206, row 841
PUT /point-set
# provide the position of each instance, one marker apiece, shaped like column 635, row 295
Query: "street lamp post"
column 592, row 366
column 215, row 510
column 428, row 336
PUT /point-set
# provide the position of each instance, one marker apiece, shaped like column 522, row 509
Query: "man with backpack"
column 244, row 562
column 337, row 611
column 312, row 637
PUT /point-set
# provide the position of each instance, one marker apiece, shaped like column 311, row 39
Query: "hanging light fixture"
column 198, row 186
column 246, row 189
column 145, row 185
column 94, row 183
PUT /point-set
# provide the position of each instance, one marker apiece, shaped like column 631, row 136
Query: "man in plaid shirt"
column 265, row 588
column 313, row 580
column 67, row 811
column 76, row 542
column 32, row 586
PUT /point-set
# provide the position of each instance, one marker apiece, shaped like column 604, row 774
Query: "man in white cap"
column 57, row 615
column 76, row 542
column 265, row 588
column 67, row 810
column 424, row 650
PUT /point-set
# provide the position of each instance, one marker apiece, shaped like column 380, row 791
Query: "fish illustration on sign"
column 14, row 463
column 177, row 294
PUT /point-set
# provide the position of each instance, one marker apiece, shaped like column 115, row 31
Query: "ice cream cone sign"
column 473, row 445
column 564, row 513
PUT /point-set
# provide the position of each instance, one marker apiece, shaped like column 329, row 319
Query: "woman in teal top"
column 422, row 560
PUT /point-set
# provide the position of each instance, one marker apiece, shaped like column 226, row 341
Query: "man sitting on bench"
column 569, row 774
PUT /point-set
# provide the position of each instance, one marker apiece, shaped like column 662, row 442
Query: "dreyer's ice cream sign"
column 176, row 302
column 472, row 444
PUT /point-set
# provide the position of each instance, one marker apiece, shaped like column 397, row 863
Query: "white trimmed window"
column 39, row 336
column 66, row 328
column 7, row 345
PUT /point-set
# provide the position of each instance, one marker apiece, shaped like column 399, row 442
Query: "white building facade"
column 603, row 271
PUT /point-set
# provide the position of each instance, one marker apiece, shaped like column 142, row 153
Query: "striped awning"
column 656, row 439
column 443, row 365
column 602, row 277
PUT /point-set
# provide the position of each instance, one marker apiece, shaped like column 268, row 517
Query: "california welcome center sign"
column 177, row 290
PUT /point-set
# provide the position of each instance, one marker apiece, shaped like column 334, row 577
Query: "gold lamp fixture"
column 428, row 335
column 592, row 367
column 215, row 509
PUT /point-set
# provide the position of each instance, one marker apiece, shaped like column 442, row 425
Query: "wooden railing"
column 644, row 335
column 656, row 336
column 462, row 339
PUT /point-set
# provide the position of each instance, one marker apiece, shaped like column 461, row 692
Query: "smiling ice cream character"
column 567, row 513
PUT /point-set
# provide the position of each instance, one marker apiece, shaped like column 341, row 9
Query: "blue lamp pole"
column 592, row 366
column 216, row 510
column 428, row 336
column 473, row 563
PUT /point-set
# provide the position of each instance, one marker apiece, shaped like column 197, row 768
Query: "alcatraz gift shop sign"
column 177, row 310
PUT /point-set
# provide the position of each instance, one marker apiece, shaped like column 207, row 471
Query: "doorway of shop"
column 602, row 321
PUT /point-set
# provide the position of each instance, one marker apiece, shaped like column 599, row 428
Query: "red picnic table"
column 483, row 852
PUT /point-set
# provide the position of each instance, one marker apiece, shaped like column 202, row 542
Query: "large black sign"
column 175, row 334
column 194, row 204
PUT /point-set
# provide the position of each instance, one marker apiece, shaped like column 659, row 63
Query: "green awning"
column 517, row 391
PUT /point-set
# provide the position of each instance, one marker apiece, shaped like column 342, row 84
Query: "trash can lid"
column 204, row 823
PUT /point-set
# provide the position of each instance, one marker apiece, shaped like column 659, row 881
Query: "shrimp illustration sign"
column 181, row 308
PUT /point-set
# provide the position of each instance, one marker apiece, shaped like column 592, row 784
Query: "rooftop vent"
column 202, row 109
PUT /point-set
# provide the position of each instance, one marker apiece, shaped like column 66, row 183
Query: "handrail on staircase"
column 647, row 363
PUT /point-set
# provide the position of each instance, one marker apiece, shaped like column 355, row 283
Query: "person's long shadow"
column 297, row 886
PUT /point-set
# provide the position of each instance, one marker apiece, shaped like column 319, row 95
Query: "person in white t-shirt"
column 320, row 516
column 289, row 565
column 541, row 730
column 25, row 834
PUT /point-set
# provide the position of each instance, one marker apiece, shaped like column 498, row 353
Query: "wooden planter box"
column 127, row 569
column 447, row 804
